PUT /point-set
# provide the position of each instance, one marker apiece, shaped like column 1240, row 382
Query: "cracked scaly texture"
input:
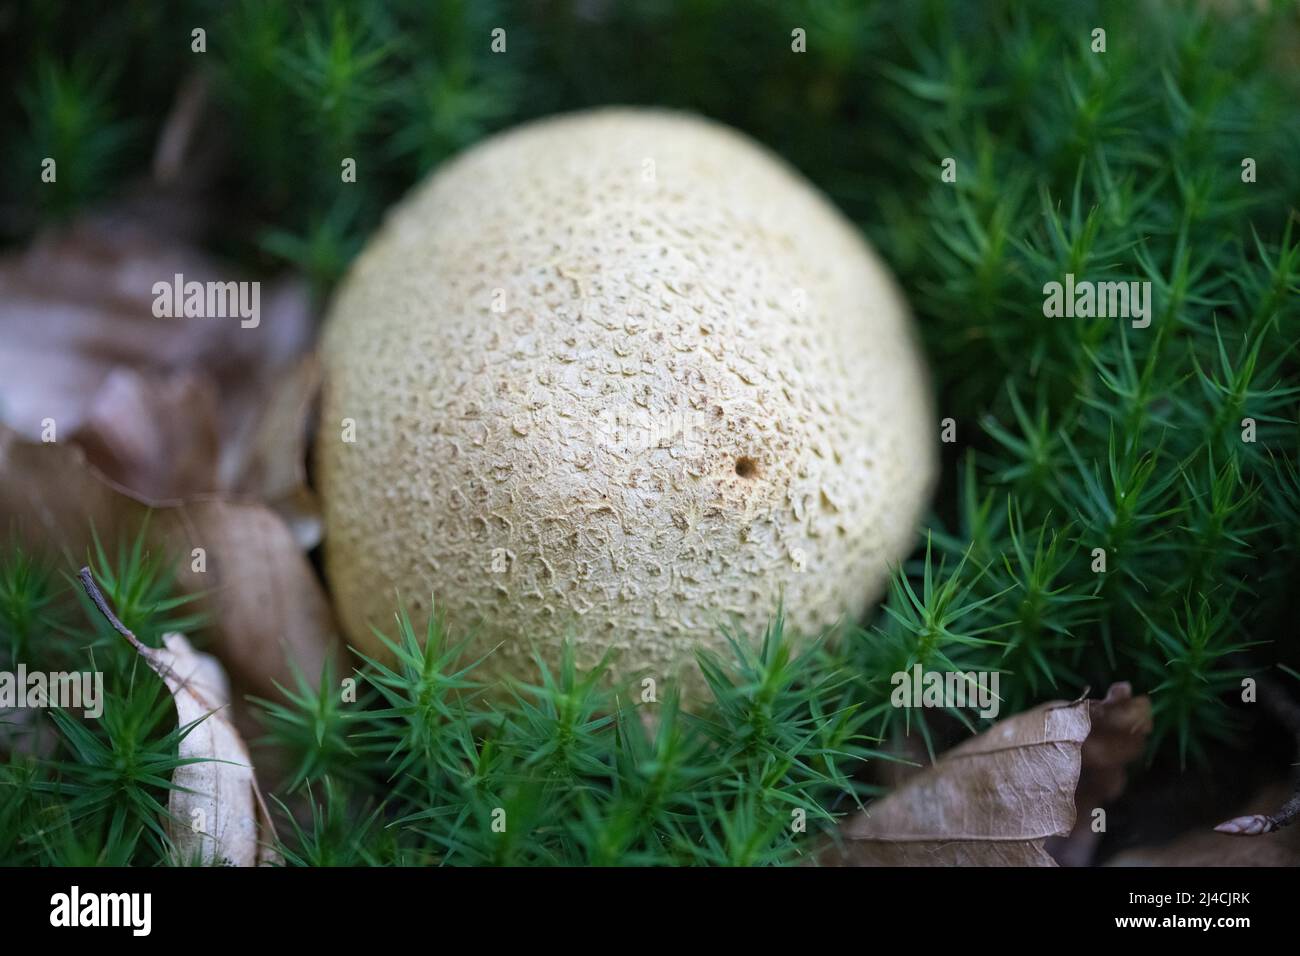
column 624, row 376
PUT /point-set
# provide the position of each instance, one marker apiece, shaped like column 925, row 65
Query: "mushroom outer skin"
column 625, row 378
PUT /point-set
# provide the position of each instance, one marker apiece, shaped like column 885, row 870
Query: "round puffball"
column 624, row 378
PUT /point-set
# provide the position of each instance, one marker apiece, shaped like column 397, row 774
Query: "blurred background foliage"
column 1008, row 88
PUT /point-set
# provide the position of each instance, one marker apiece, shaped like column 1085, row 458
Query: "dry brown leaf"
column 217, row 816
column 267, row 609
column 1121, row 724
column 164, row 406
column 156, row 436
column 268, row 605
column 994, row 800
column 269, row 462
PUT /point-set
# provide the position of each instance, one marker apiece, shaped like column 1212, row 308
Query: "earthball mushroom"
column 622, row 378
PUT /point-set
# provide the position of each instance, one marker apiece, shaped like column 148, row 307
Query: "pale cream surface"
column 632, row 268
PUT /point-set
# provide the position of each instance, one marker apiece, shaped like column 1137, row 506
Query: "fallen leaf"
column 157, row 436
column 201, row 420
column 993, row 800
column 1121, row 724
column 217, row 816
column 268, row 606
column 221, row 792
column 166, row 407
column 269, row 461
column 267, row 609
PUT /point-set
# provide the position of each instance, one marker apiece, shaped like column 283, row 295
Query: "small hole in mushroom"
column 746, row 467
